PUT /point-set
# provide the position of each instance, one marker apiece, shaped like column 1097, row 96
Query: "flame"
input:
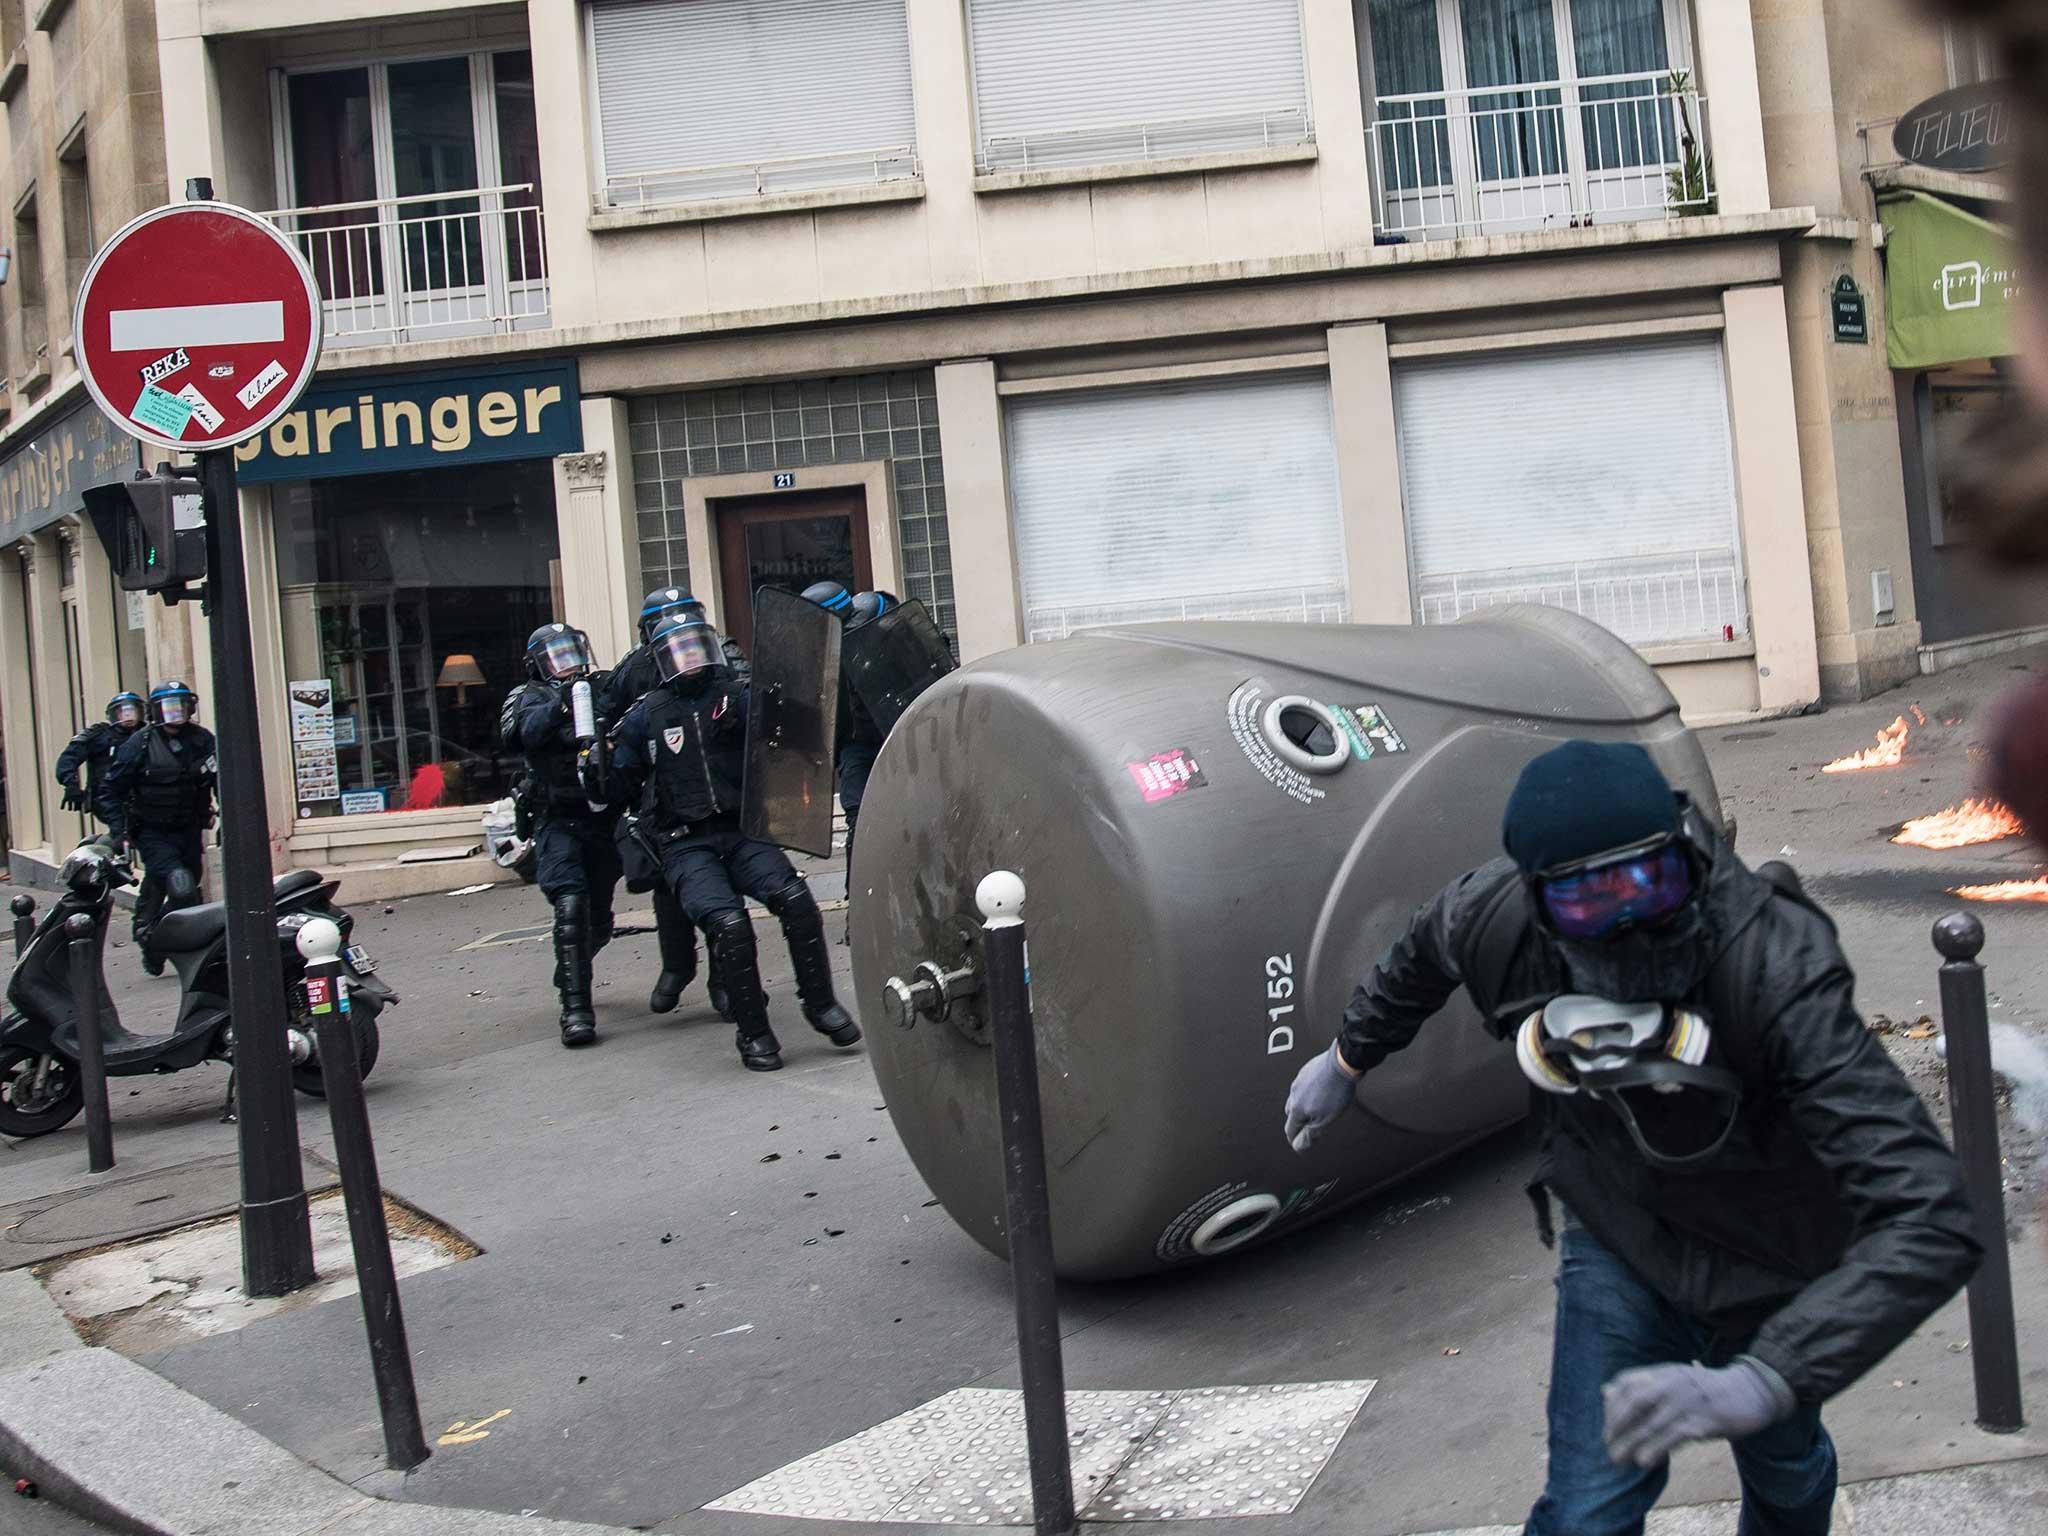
column 1918, row 718
column 1891, row 746
column 1974, row 821
column 2005, row 890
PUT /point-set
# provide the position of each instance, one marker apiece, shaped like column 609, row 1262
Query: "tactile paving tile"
column 1225, row 1451
column 961, row 1459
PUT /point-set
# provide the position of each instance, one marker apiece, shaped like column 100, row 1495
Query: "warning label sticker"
column 1370, row 731
column 1166, row 774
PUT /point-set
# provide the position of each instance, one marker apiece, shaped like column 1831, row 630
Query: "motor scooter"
column 40, row 1086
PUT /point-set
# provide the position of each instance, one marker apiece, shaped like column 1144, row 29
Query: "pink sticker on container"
column 1166, row 774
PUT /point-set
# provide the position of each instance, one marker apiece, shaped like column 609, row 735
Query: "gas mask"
column 1640, row 1060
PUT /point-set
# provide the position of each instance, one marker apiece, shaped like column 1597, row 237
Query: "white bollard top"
column 1001, row 899
column 319, row 939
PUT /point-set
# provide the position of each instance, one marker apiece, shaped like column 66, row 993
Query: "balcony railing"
column 1164, row 139
column 441, row 264
column 1543, row 155
column 1688, row 595
column 1300, row 605
column 759, row 178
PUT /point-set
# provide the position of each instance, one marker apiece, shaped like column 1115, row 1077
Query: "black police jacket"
column 1831, row 1223
column 683, row 753
column 93, row 750
column 165, row 778
column 543, row 728
column 636, row 676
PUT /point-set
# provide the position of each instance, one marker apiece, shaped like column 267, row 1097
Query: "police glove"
column 1653, row 1411
column 74, row 798
column 1322, row 1091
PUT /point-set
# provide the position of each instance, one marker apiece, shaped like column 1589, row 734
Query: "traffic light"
column 153, row 529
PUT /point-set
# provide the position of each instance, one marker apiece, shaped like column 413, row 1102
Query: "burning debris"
column 1961, row 826
column 2005, row 890
column 1891, row 746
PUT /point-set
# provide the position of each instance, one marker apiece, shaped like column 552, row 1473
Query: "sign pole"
column 277, row 1233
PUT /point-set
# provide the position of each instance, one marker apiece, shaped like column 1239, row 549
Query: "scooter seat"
column 189, row 928
column 295, row 881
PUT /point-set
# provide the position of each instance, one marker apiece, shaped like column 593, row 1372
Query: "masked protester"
column 853, row 754
column 681, row 750
column 1756, row 1207
column 629, row 682
column 162, row 778
column 577, row 860
column 92, row 750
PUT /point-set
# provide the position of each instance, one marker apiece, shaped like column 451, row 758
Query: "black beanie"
column 1583, row 798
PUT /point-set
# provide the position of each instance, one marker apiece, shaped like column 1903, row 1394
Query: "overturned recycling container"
column 1220, row 827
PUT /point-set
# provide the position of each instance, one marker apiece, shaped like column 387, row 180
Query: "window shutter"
column 702, row 99
column 1210, row 501
column 1599, row 479
column 1080, row 82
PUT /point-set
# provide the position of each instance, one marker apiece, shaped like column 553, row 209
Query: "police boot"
column 572, row 970
column 678, row 941
column 730, row 938
column 803, row 928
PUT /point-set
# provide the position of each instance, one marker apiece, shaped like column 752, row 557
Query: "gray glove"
column 1653, row 1411
column 1322, row 1091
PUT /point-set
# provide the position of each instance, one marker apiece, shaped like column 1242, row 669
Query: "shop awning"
column 1951, row 279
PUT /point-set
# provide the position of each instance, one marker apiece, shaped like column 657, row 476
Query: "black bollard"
column 1994, row 1343
column 398, row 1401
column 24, row 908
column 1028, row 1208
column 92, row 1056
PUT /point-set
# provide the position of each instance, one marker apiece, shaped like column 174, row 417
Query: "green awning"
column 1950, row 282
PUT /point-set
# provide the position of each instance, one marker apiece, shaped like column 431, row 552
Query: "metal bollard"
column 92, row 1053
column 398, row 1401
column 1007, row 986
column 1994, row 1343
column 24, row 908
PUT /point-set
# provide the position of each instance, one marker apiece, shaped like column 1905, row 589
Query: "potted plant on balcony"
column 1689, row 185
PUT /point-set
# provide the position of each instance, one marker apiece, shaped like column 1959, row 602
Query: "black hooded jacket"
column 1833, row 1221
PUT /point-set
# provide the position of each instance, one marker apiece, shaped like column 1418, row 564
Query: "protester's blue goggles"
column 1637, row 890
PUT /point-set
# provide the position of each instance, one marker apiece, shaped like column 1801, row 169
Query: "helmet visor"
column 563, row 655
column 127, row 712
column 174, row 708
column 1637, row 891
column 684, row 651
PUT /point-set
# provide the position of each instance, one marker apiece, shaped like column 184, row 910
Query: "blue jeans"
column 1608, row 1322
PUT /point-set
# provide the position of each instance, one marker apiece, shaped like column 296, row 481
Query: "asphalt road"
column 692, row 1275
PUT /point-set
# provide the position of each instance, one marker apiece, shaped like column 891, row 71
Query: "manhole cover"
column 42, row 1228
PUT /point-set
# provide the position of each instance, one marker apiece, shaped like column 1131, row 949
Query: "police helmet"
column 667, row 602
column 685, row 649
column 830, row 596
column 870, row 606
column 173, row 703
column 125, row 709
column 557, row 651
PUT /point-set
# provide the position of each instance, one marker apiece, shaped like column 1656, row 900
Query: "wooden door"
column 789, row 541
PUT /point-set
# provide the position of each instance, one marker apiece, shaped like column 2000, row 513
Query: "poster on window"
column 312, row 711
column 315, row 773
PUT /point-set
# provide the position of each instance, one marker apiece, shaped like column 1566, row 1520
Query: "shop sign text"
column 43, row 479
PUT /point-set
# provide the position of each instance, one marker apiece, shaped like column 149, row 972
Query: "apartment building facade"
column 1051, row 313
column 81, row 152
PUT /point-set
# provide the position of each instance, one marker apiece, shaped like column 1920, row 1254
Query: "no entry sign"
column 197, row 325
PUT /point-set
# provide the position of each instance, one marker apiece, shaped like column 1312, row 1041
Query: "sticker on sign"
column 161, row 411
column 202, row 408
column 261, row 385
column 165, row 366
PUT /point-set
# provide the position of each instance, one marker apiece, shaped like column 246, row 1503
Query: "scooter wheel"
column 307, row 1077
column 28, row 1110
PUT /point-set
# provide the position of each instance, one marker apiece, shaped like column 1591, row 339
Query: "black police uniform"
column 163, row 780
column 93, row 749
column 682, row 749
column 575, row 851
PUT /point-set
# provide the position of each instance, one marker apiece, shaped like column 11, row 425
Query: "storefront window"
column 412, row 595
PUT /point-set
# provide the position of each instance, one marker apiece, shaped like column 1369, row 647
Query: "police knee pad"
column 730, row 937
column 793, row 904
column 181, row 886
column 570, row 910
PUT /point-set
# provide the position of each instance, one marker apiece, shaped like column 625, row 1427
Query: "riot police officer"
column 93, row 750
column 681, row 749
column 574, row 847
column 629, row 681
column 860, row 738
column 162, row 777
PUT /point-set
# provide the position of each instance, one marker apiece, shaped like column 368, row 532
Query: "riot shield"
column 893, row 659
column 792, row 718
